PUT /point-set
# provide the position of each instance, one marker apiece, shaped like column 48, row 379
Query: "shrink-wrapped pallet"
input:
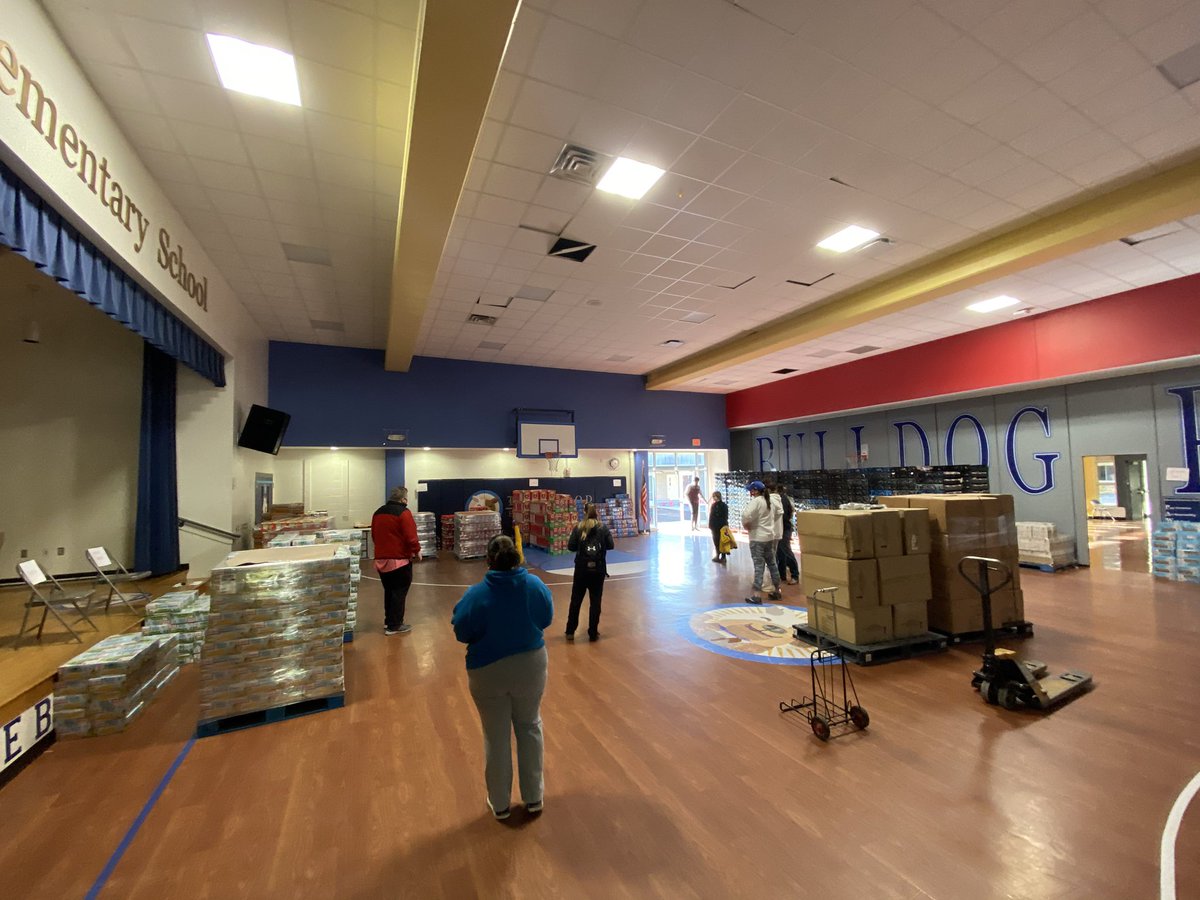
column 106, row 687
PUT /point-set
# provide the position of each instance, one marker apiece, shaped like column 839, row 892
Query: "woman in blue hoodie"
column 501, row 620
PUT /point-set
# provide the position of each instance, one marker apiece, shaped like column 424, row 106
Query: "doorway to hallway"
column 670, row 473
column 1118, row 511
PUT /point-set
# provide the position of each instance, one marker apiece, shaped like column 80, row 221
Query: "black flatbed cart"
column 1003, row 678
column 833, row 700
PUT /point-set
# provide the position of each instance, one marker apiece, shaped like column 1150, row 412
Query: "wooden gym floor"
column 670, row 771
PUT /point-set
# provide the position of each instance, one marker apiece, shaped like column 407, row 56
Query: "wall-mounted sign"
column 21, row 734
column 1182, row 510
column 1176, row 473
column 92, row 168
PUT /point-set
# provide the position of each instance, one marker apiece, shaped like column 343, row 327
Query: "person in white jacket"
column 761, row 519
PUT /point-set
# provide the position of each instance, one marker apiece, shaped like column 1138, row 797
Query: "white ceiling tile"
column 570, row 56
column 523, row 40
column 279, row 156
column 262, row 22
column 526, row 149
column 343, row 137
column 236, row 204
column 395, row 53
column 391, row 105
column 1036, row 108
column 846, row 92
column 1182, row 135
column 745, row 122
column 122, row 88
column 1080, row 39
column 1169, row 35
column 715, row 202
column 206, row 142
column 187, row 197
column 1065, row 126
column 344, row 171
column 567, row 196
column 658, row 144
column 687, row 225
column 1138, row 91
column 948, row 71
column 612, row 17
column 94, row 34
column 338, row 92
column 547, row 109
column 146, row 130
column 731, row 41
column 215, row 174
column 169, row 49
column 192, row 101
column 787, row 143
column 336, row 37
column 1020, row 23
column 988, row 95
column 692, row 102
column 1105, row 167
column 168, row 166
column 706, row 160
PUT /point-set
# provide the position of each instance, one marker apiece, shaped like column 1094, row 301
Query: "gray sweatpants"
column 762, row 553
column 508, row 695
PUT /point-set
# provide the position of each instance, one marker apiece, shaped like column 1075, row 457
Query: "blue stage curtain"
column 156, row 540
column 36, row 231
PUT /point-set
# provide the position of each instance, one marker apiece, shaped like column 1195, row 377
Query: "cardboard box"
column 845, row 534
column 959, row 616
column 899, row 501
column 904, row 579
column 889, row 532
column 915, row 525
column 869, row 625
column 857, row 580
column 951, row 513
column 910, row 619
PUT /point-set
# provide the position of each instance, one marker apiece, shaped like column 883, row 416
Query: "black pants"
column 695, row 513
column 395, row 592
column 716, row 533
column 785, row 558
column 593, row 584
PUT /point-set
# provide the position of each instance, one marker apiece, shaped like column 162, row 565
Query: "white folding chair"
column 114, row 574
column 53, row 598
column 1100, row 510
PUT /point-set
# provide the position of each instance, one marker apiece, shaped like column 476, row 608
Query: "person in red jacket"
column 394, row 532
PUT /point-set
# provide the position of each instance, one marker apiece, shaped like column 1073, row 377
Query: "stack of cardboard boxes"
column 183, row 614
column 879, row 562
column 106, row 687
column 1040, row 544
column 968, row 525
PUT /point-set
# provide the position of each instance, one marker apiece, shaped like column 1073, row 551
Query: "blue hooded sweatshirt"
column 501, row 616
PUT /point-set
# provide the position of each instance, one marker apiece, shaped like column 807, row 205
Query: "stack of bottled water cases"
column 183, row 614
column 106, row 687
column 427, row 534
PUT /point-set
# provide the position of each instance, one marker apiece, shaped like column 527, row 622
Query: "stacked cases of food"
column 348, row 540
column 879, row 562
column 1175, row 551
column 552, row 516
column 617, row 514
column 472, row 531
column 275, row 631
column 448, row 532
column 306, row 524
column 968, row 525
column 107, row 686
column 1040, row 544
column 427, row 533
column 183, row 614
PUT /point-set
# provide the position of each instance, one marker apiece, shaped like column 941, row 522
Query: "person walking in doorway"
column 758, row 519
column 590, row 541
column 502, row 620
column 785, row 557
column 394, row 532
column 718, row 518
column 693, row 496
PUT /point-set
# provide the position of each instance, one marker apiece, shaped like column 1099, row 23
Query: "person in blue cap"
column 759, row 521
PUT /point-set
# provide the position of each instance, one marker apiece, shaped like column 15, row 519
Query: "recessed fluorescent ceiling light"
column 629, row 178
column 848, row 238
column 254, row 69
column 1001, row 302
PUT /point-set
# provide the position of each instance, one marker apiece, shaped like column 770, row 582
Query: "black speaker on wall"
column 264, row 429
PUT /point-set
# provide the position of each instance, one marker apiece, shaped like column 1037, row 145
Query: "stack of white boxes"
column 1040, row 544
column 183, row 614
column 106, row 687
column 1175, row 551
column 349, row 541
column 275, row 631
column 427, row 533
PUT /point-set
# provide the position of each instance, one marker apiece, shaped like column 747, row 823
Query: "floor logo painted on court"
column 760, row 633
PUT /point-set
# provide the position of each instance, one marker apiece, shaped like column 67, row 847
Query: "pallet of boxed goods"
column 879, row 562
column 877, row 653
column 473, row 529
column 1040, row 546
column 305, row 524
column 1175, row 551
column 552, row 516
column 427, row 533
column 448, row 532
column 967, row 525
column 183, row 614
column 106, row 687
column 274, row 638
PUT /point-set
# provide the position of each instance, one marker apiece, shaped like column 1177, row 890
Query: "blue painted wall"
column 340, row 396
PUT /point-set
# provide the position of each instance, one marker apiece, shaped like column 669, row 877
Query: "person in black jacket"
column 718, row 518
column 785, row 558
column 590, row 540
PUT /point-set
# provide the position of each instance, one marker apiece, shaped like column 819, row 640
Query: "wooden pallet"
column 874, row 654
column 1009, row 629
column 267, row 716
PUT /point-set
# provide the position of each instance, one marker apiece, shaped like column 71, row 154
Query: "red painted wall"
column 1143, row 325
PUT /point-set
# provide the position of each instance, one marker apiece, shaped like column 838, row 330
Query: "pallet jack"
column 1004, row 679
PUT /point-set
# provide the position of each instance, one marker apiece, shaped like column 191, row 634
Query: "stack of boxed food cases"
column 1040, row 544
column 547, row 518
column 306, row 524
column 1175, row 550
column 879, row 562
column 349, row 541
column 427, row 533
column 448, row 532
column 473, row 529
column 275, row 631
column 183, row 614
column 107, row 686
column 968, row 525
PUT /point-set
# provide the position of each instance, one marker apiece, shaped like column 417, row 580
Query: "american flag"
column 644, row 500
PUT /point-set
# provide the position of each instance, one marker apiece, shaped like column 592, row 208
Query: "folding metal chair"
column 114, row 574
column 53, row 598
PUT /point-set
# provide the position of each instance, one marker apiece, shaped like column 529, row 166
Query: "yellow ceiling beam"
column 1135, row 207
column 461, row 44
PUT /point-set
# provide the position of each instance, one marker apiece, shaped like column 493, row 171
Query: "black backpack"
column 591, row 548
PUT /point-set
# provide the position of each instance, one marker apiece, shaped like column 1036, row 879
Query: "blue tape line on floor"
column 107, row 871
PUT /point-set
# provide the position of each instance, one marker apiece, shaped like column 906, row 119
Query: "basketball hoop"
column 551, row 461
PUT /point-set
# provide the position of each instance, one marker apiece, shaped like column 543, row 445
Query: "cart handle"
column 985, row 564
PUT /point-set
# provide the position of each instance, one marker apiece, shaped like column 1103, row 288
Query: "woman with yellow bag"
column 718, row 524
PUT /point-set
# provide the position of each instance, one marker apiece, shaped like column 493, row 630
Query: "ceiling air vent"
column 318, row 256
column 577, row 251
column 579, row 164
column 784, row 371
column 477, row 319
column 865, row 348
column 491, row 345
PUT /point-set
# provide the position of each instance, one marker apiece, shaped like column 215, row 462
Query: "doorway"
column 1118, row 511
column 669, row 475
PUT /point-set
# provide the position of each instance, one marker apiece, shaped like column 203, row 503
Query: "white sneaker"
column 502, row 814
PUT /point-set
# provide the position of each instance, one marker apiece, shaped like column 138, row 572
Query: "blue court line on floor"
column 107, row 871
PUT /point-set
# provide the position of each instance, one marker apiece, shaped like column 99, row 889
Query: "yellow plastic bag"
column 727, row 541
column 518, row 542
